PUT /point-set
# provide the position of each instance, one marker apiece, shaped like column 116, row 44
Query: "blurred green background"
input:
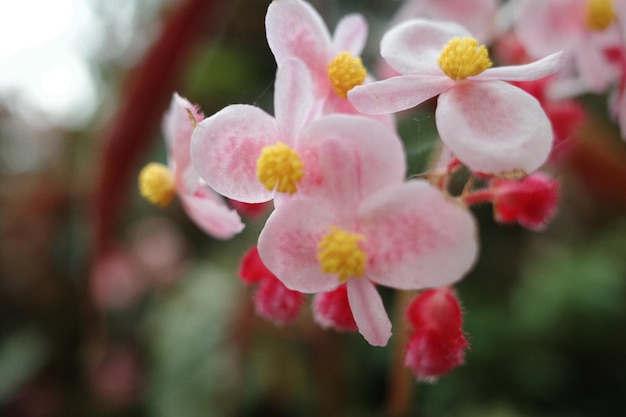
column 169, row 329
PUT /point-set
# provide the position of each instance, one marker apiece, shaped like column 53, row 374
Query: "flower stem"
column 401, row 394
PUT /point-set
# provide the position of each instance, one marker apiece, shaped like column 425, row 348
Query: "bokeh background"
column 163, row 326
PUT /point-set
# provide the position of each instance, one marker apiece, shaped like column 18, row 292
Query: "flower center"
column 599, row 14
column 280, row 168
column 156, row 184
column 462, row 58
column 339, row 253
column 346, row 72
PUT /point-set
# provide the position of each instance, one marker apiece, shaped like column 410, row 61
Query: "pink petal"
column 209, row 212
column 354, row 157
column 293, row 98
column 295, row 30
column 350, row 34
column 288, row 245
column 225, row 148
column 177, row 129
column 398, row 93
column 335, row 104
column 416, row 237
column 528, row 72
column 474, row 15
column 369, row 311
column 414, row 47
column 494, row 127
column 545, row 27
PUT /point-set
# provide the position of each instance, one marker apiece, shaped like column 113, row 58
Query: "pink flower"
column 250, row 156
column 490, row 125
column 159, row 183
column 475, row 15
column 438, row 344
column 296, row 31
column 584, row 29
column 404, row 235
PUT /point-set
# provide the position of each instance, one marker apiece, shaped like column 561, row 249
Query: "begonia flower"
column 159, row 183
column 490, row 125
column 250, row 156
column 584, row 29
column 474, row 15
column 438, row 343
column 295, row 30
column 406, row 235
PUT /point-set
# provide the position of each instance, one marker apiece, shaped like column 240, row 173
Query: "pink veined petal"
column 595, row 71
column 293, row 98
column 355, row 156
column 288, row 245
column 294, row 29
column 545, row 27
column 474, row 15
column 413, row 47
column 225, row 148
column 369, row 311
column 209, row 212
column 416, row 237
column 335, row 104
column 350, row 34
column 494, row 127
column 398, row 93
column 527, row 72
column 177, row 128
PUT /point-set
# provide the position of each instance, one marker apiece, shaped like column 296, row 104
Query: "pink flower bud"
column 332, row 310
column 251, row 268
column 277, row 303
column 272, row 301
column 438, row 344
column 531, row 202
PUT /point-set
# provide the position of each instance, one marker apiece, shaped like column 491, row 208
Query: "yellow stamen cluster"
column 346, row 72
column 599, row 14
column 280, row 168
column 156, row 184
column 339, row 253
column 462, row 58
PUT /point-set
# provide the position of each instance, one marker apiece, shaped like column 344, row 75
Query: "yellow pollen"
column 339, row 253
column 346, row 72
column 462, row 58
column 600, row 14
column 156, row 184
column 280, row 168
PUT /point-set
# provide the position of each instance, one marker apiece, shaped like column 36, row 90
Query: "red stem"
column 147, row 92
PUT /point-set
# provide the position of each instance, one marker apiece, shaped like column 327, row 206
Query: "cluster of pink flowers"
column 345, row 218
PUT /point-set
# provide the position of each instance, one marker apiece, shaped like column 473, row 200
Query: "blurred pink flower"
column 438, row 344
column 475, row 15
column 490, row 125
column 583, row 29
column 203, row 205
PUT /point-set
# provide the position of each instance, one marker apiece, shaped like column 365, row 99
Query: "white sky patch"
column 42, row 68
